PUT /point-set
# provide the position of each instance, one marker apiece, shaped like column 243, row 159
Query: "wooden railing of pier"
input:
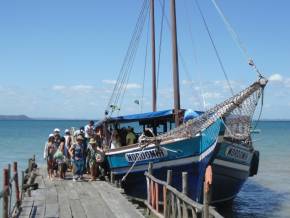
column 10, row 209
column 164, row 201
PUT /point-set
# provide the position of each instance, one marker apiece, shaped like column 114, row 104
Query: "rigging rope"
column 236, row 38
column 214, row 46
column 145, row 66
column 194, row 58
column 123, row 77
column 129, row 65
column 160, row 43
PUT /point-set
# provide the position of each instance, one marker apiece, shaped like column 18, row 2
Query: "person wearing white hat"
column 57, row 136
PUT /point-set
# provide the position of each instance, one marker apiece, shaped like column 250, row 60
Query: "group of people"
column 80, row 151
column 122, row 137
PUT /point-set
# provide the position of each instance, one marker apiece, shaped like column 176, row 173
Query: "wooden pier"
column 43, row 197
column 65, row 199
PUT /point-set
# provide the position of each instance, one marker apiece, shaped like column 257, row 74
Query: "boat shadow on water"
column 255, row 200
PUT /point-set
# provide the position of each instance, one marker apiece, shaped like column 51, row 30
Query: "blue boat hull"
column 231, row 169
column 191, row 155
column 135, row 183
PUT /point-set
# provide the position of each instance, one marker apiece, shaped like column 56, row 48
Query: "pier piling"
column 5, row 192
column 17, row 192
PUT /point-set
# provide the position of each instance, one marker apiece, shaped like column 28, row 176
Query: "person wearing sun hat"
column 91, row 158
column 96, row 159
column 77, row 155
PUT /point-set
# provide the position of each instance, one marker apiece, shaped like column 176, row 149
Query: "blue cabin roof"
column 143, row 116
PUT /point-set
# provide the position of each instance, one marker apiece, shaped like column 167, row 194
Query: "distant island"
column 14, row 117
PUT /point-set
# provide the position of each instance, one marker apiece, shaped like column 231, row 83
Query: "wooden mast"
column 175, row 64
column 154, row 107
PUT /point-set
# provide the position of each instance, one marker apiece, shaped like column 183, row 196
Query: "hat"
column 80, row 137
column 66, row 131
column 50, row 135
column 56, row 130
column 92, row 141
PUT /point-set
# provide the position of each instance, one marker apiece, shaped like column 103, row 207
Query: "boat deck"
column 65, row 198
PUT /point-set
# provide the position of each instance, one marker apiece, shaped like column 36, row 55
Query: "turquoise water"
column 265, row 195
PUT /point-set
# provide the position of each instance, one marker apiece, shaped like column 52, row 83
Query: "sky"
column 61, row 59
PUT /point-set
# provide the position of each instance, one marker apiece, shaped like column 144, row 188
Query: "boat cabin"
column 158, row 122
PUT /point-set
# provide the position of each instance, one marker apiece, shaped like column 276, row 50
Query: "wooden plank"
column 96, row 205
column 38, row 209
column 173, row 205
column 63, row 199
column 184, row 210
column 72, row 194
column 194, row 215
column 51, row 210
column 26, row 207
column 178, row 208
column 118, row 204
column 77, row 209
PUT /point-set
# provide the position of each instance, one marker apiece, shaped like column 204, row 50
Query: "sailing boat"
column 219, row 137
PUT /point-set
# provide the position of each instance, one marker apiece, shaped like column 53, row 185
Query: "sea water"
column 264, row 195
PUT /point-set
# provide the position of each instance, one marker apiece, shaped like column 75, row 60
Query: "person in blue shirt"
column 77, row 153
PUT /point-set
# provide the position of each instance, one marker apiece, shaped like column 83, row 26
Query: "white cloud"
column 58, row 88
column 187, row 82
column 81, row 88
column 212, row 95
column 128, row 86
column 276, row 77
column 108, row 81
column 133, row 86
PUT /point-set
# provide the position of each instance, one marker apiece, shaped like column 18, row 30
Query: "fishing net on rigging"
column 236, row 112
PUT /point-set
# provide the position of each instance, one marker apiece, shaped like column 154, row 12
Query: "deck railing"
column 9, row 209
column 163, row 200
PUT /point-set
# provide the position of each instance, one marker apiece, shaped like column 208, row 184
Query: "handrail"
column 182, row 196
column 6, row 193
column 164, row 201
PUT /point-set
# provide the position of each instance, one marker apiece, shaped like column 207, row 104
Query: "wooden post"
column 184, row 191
column 112, row 178
column 152, row 194
column 205, row 202
column 184, row 183
column 6, row 193
column 116, row 183
column 22, row 184
column 16, row 182
column 9, row 172
column 167, row 204
column 164, row 201
column 157, row 197
column 169, row 177
column 150, row 168
column 28, row 167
